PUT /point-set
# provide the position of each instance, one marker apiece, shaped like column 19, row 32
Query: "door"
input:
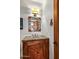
column 36, row 49
column 56, row 29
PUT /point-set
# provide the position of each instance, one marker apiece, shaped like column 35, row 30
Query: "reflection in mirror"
column 34, row 24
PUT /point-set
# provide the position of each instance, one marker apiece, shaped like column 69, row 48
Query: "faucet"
column 34, row 35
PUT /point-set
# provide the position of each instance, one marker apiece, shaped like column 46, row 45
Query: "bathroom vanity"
column 35, row 48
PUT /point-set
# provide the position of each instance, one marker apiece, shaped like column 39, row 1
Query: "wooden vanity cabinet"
column 36, row 49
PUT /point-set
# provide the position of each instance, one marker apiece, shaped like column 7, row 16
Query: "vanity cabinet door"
column 45, row 47
column 36, row 49
column 25, row 51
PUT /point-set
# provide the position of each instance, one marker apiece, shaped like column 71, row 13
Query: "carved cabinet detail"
column 36, row 49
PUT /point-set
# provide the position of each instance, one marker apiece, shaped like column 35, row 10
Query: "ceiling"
column 32, row 3
column 27, row 5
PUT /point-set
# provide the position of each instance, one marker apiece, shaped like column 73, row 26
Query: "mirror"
column 34, row 24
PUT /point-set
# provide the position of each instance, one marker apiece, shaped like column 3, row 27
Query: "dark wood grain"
column 38, row 49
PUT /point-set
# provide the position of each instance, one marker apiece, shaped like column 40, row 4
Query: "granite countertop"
column 35, row 38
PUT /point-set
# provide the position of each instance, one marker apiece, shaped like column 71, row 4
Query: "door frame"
column 56, row 29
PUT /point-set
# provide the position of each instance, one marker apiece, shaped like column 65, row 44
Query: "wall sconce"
column 51, row 22
column 35, row 11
